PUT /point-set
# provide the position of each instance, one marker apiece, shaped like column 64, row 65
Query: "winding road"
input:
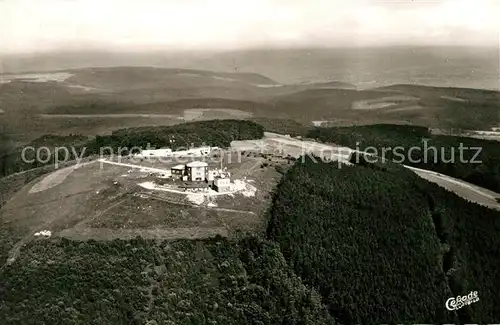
column 297, row 147
column 463, row 189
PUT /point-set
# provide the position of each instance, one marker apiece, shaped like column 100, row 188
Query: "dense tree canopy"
column 210, row 133
column 136, row 282
column 370, row 243
column 382, row 245
column 41, row 151
column 434, row 152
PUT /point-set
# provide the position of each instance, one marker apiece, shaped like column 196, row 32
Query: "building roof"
column 222, row 182
column 197, row 164
column 179, row 167
column 157, row 150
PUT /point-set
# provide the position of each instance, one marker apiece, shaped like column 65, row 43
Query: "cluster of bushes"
column 439, row 153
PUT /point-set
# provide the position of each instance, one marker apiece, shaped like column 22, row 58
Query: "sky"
column 141, row 25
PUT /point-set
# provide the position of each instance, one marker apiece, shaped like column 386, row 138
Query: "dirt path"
column 16, row 250
column 150, row 169
column 192, row 205
column 81, row 225
column 84, row 234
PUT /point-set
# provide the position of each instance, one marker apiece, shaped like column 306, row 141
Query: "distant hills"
column 149, row 74
column 147, row 90
column 362, row 66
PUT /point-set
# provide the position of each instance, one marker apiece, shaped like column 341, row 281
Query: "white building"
column 155, row 153
column 222, row 184
column 194, row 152
column 167, row 152
column 197, row 171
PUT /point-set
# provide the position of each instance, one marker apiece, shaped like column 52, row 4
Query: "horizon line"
column 247, row 49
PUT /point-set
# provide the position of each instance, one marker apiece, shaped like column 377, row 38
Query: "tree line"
column 478, row 162
column 216, row 133
column 382, row 245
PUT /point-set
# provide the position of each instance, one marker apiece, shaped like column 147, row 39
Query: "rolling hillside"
column 93, row 93
column 459, row 108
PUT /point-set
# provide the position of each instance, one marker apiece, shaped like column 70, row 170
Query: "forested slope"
column 439, row 153
column 366, row 238
column 366, row 244
column 143, row 282
column 218, row 133
column 41, row 152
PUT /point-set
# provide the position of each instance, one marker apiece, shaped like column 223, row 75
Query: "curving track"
column 296, row 147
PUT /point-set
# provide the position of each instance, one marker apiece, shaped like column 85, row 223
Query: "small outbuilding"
column 178, row 171
column 222, row 185
column 155, row 153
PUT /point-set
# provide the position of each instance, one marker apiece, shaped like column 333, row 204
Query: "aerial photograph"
column 265, row 162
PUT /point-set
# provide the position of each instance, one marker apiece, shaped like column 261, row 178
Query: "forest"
column 216, row 133
column 440, row 153
column 370, row 243
column 381, row 244
column 25, row 157
column 145, row 282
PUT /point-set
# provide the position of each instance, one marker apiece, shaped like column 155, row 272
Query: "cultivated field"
column 99, row 100
column 384, row 102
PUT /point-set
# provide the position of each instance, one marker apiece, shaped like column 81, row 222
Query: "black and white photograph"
column 265, row 162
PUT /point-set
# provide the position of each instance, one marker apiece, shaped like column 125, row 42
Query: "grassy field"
column 104, row 201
